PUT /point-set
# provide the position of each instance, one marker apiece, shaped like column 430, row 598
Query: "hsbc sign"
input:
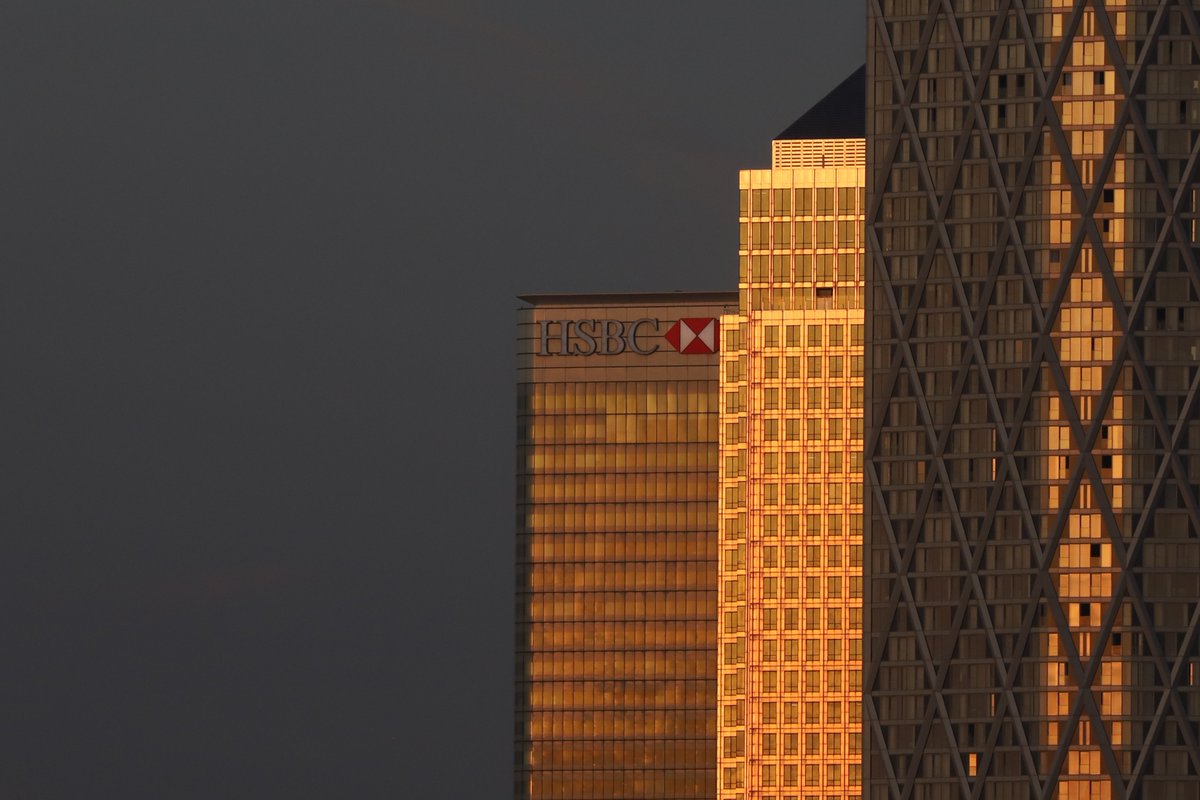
column 695, row 335
column 611, row 337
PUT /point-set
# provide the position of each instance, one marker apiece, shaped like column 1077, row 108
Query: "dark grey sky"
column 256, row 318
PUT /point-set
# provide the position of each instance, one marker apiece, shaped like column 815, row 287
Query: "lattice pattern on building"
column 1033, row 442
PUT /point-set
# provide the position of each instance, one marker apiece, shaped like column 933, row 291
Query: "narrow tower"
column 789, row 663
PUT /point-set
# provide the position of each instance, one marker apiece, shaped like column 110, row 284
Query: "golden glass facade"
column 790, row 574
column 616, row 549
column 1033, row 445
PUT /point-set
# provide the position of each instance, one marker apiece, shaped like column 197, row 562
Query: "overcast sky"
column 260, row 260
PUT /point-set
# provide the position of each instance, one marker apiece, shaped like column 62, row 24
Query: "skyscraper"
column 616, row 546
column 790, row 582
column 1033, row 443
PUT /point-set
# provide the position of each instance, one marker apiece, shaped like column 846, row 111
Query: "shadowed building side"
column 1033, row 442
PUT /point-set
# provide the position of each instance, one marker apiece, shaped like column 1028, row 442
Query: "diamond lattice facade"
column 617, row 546
column 1033, row 438
column 790, row 573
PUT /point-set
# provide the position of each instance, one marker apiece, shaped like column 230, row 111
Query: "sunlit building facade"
column 790, row 574
column 617, row 546
column 1033, row 436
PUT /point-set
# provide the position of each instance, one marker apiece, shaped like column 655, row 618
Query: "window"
column 825, row 205
column 812, row 619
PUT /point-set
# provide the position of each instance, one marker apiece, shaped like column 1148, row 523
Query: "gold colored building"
column 1033, row 447
column 790, row 574
column 617, row 546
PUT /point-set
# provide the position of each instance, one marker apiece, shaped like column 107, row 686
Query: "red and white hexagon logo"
column 693, row 335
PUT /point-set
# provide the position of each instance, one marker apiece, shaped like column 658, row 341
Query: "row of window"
column 830, row 588
column 619, row 547
column 826, row 681
column 733, row 778
column 825, row 493
column 632, row 635
column 618, row 396
column 800, row 201
column 816, row 618
column 801, row 367
column 815, row 556
column 619, row 723
column 617, row 517
column 815, row 744
column 804, row 234
column 616, row 664
column 812, row 429
column 815, row 650
column 814, row 462
column 617, row 458
column 812, row 335
column 733, row 527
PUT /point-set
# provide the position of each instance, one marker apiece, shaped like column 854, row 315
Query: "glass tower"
column 790, row 570
column 1032, row 453
column 616, row 546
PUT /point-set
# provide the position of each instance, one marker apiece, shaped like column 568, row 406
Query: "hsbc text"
column 601, row 337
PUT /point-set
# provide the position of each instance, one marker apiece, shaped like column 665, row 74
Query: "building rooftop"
column 629, row 298
column 841, row 114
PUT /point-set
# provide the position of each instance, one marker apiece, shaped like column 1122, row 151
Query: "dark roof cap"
column 841, row 114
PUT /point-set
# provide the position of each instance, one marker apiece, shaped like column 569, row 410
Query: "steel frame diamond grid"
column 904, row 372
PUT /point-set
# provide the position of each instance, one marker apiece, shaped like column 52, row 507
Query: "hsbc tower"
column 616, row 596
